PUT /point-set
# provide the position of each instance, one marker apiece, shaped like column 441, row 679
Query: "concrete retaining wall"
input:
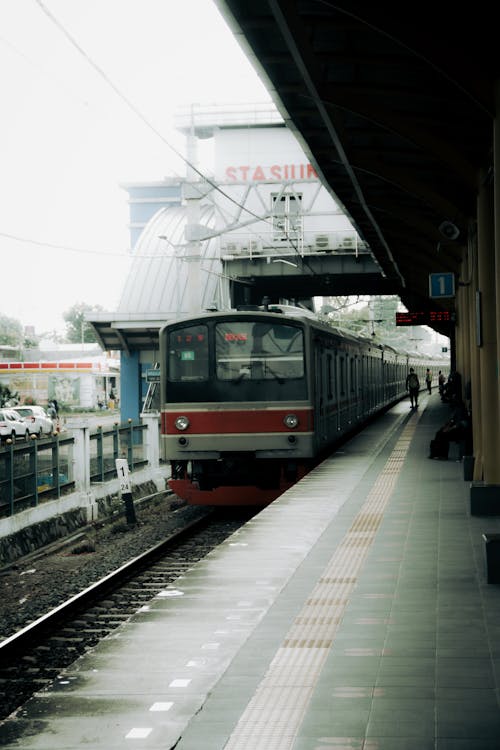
column 34, row 537
column 37, row 527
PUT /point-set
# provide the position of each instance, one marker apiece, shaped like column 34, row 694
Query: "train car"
column 252, row 399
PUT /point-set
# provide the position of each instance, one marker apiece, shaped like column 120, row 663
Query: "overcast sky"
column 68, row 140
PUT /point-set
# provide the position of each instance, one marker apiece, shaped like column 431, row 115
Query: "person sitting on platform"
column 458, row 429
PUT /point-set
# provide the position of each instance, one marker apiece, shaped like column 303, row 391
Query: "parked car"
column 39, row 423
column 13, row 426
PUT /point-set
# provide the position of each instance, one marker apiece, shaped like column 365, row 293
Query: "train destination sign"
column 424, row 318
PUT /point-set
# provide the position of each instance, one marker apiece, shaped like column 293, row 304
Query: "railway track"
column 34, row 656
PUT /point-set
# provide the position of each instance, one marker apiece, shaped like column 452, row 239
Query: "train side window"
column 188, row 354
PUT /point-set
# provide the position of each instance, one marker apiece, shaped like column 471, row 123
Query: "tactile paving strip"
column 274, row 714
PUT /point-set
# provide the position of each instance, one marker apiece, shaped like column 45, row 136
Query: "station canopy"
column 395, row 107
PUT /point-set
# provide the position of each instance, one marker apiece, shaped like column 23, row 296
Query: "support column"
column 485, row 490
column 130, row 376
column 154, row 448
column 474, row 404
column 462, row 329
column 81, row 467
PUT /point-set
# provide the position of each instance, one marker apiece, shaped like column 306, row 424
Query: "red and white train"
column 252, row 399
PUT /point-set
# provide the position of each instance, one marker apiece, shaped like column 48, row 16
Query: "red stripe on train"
column 236, row 421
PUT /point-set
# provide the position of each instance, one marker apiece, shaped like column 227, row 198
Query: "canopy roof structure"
column 394, row 107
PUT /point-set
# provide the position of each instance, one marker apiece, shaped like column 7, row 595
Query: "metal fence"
column 44, row 469
column 34, row 471
column 117, row 441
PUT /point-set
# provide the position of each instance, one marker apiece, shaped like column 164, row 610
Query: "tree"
column 7, row 396
column 346, row 312
column 11, row 331
column 376, row 318
column 78, row 330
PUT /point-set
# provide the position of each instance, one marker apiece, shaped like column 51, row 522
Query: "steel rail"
column 36, row 631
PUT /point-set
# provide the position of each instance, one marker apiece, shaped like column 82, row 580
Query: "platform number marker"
column 126, row 489
column 123, row 474
column 441, row 285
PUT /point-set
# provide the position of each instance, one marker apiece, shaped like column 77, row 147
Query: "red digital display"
column 235, row 337
column 440, row 316
column 188, row 338
column 421, row 318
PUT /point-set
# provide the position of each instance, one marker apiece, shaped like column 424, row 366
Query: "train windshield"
column 247, row 350
column 188, row 354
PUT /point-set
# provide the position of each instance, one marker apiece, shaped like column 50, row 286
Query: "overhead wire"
column 151, row 127
column 129, row 258
column 55, row 246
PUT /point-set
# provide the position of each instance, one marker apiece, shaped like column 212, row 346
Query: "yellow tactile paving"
column 274, row 714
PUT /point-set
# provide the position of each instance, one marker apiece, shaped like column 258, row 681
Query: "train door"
column 363, row 395
column 319, row 390
column 380, row 380
column 332, row 394
column 353, row 392
column 383, row 379
column 342, row 390
column 320, row 411
column 372, row 383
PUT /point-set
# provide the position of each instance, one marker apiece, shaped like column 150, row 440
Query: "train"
column 253, row 398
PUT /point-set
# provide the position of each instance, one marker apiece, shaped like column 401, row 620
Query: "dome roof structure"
column 166, row 280
column 161, row 272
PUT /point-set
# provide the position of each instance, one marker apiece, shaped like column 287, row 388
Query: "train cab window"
column 249, row 350
column 188, row 354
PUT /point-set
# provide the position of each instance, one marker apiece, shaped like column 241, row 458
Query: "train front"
column 236, row 421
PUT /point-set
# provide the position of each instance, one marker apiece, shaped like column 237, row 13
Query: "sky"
column 88, row 92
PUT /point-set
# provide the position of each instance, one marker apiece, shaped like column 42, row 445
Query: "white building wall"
column 88, row 392
column 256, row 163
column 241, row 148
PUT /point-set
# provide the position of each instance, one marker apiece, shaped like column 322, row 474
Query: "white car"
column 39, row 423
column 12, row 426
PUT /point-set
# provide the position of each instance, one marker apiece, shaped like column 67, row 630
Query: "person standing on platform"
column 441, row 383
column 413, row 387
column 428, row 379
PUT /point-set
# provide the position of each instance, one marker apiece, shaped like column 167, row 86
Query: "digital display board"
column 421, row 318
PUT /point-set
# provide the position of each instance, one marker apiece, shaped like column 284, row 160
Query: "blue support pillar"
column 130, row 386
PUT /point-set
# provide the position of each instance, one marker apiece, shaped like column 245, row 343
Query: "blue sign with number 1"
column 441, row 285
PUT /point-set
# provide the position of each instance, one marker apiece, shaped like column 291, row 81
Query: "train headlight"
column 182, row 423
column 291, row 421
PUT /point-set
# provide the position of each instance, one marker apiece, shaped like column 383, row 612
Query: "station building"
column 78, row 376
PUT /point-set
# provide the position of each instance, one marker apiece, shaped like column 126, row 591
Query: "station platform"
column 353, row 613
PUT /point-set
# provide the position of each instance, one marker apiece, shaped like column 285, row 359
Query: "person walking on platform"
column 428, row 379
column 413, row 387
